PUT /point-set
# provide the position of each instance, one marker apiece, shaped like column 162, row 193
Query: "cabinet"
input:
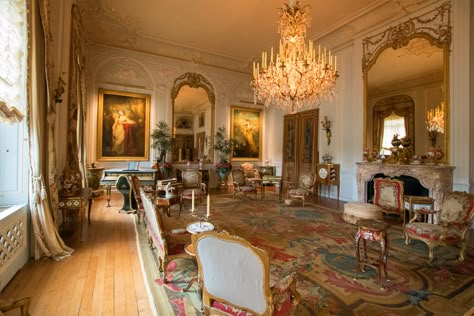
column 328, row 174
column 300, row 144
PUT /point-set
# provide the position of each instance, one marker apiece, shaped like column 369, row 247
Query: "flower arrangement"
column 223, row 166
column 167, row 166
column 435, row 123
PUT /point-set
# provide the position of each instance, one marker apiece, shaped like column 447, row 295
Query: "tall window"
column 392, row 124
column 13, row 77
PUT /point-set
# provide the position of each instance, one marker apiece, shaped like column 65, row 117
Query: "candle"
column 192, row 201
column 208, row 205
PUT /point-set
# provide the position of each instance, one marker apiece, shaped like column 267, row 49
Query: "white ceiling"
column 229, row 31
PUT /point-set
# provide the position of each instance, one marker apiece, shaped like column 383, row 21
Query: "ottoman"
column 353, row 211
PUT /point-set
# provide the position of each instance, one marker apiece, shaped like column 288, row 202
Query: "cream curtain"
column 48, row 241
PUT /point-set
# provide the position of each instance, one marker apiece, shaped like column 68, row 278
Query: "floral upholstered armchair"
column 302, row 189
column 388, row 195
column 242, row 185
column 455, row 219
column 235, row 278
column 192, row 181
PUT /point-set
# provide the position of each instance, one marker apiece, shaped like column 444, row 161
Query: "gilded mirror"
column 193, row 103
column 406, row 75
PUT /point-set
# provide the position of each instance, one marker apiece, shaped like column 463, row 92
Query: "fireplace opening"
column 411, row 186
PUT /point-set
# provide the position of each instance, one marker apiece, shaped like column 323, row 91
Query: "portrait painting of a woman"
column 246, row 131
column 124, row 129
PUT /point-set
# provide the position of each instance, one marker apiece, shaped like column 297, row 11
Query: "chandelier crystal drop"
column 296, row 76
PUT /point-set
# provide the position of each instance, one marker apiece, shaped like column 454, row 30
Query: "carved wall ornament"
column 434, row 25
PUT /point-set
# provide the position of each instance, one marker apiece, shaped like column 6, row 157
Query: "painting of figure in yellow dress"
column 246, row 130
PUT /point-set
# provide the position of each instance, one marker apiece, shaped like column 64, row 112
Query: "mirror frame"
column 195, row 80
column 434, row 26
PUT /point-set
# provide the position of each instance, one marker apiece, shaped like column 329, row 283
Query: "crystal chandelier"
column 296, row 77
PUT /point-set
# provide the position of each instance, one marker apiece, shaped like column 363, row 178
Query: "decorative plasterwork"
column 124, row 71
column 434, row 25
column 193, row 80
column 438, row 179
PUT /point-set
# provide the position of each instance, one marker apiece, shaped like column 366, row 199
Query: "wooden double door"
column 300, row 144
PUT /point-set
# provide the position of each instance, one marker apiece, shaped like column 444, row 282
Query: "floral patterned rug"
column 317, row 244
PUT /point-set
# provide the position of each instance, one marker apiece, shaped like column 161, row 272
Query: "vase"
column 93, row 177
column 223, row 174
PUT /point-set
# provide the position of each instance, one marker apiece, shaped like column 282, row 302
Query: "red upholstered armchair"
column 388, row 195
column 455, row 219
column 235, row 278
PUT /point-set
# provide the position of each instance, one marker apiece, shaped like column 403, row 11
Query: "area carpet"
column 317, row 244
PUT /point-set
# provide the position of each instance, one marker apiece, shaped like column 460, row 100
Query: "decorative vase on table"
column 223, row 169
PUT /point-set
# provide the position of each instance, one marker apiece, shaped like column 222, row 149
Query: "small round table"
column 199, row 227
column 372, row 230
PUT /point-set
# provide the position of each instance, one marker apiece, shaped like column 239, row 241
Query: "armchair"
column 388, row 195
column 242, row 185
column 455, row 219
column 236, row 278
column 302, row 189
column 192, row 181
column 250, row 171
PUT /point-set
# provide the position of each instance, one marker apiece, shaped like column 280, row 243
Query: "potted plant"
column 161, row 140
column 224, row 145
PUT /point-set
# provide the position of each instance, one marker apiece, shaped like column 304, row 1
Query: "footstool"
column 354, row 211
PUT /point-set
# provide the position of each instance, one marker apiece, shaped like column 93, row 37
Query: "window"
column 392, row 124
column 13, row 76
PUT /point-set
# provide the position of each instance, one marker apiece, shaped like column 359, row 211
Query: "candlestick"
column 192, row 201
column 208, row 205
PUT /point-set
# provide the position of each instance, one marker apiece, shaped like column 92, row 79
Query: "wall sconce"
column 327, row 127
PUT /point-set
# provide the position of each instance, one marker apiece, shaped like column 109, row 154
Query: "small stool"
column 372, row 230
column 354, row 211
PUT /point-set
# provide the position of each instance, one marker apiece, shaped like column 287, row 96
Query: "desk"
column 77, row 201
column 165, row 204
column 147, row 178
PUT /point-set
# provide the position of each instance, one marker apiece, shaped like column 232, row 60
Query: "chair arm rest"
column 426, row 211
column 284, row 293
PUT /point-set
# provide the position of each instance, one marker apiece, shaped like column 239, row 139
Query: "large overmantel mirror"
column 193, row 102
column 406, row 75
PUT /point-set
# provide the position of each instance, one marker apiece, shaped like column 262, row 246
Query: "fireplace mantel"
column 438, row 179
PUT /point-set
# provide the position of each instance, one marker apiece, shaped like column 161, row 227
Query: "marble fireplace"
column 438, row 179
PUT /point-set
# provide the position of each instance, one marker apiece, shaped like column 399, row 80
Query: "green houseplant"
column 162, row 141
column 224, row 145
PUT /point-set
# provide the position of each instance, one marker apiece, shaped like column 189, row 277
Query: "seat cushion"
column 188, row 193
column 354, row 211
column 431, row 232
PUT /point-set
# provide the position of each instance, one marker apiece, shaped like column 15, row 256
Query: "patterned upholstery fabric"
column 455, row 216
column 304, row 188
column 388, row 194
column 192, row 180
column 241, row 184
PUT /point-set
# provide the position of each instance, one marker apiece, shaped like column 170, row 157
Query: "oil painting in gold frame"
column 123, row 120
column 246, row 130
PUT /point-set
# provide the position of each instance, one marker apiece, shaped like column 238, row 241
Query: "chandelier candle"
column 296, row 77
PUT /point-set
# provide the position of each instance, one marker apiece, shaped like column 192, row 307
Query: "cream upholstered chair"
column 302, row 189
column 192, row 181
column 242, row 185
column 250, row 171
column 163, row 244
column 235, row 278
column 455, row 219
column 388, row 195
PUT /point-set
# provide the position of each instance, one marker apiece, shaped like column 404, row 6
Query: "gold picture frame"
column 246, row 130
column 123, row 120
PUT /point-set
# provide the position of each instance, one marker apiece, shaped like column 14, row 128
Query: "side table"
column 165, row 204
column 372, row 230
column 413, row 203
column 79, row 200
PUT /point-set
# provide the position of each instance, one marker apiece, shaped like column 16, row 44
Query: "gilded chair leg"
column 461, row 252
column 407, row 239
column 430, row 253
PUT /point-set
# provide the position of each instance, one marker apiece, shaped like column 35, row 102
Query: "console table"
column 148, row 178
column 438, row 179
column 81, row 200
